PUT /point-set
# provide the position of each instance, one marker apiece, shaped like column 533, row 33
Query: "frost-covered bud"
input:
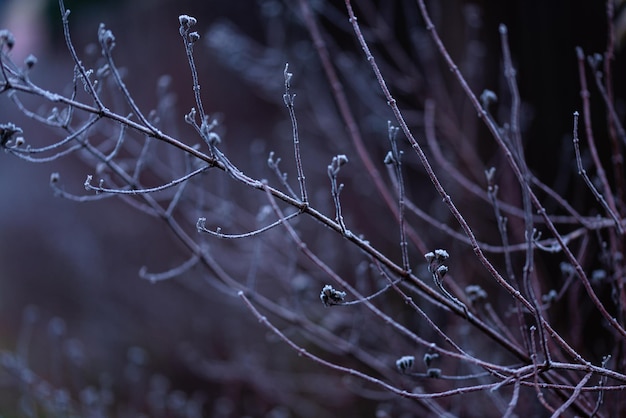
column 566, row 268
column 442, row 270
column 442, row 254
column 164, row 82
column 595, row 60
column 405, row 363
column 187, row 21
column 429, row 357
column 106, row 37
column 56, row 327
column 270, row 159
column 330, row 296
column 490, row 174
column 7, row 131
column 87, row 183
column 103, row 71
column 598, row 276
column 438, row 255
column 475, row 292
column 194, row 37
column 214, row 139
column 54, row 177
column 7, row 38
column 288, row 76
column 30, row 61
column 341, row 159
column 190, row 117
column 389, row 158
column 550, row 297
column 337, row 162
column 435, row 262
column 488, row 97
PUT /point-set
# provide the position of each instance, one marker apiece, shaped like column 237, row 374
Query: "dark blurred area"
column 70, row 293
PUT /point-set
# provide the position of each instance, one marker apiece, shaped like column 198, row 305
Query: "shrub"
column 410, row 259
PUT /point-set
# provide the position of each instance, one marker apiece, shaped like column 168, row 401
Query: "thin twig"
column 107, row 41
column 452, row 170
column 289, row 98
column 201, row 227
column 583, row 173
column 493, row 129
column 536, row 370
column 426, row 164
column 518, row 151
column 348, row 117
column 333, row 170
column 169, row 274
column 100, row 189
column 561, row 409
column 617, row 158
column 273, row 164
column 81, row 69
column 601, row 384
column 492, row 191
column 189, row 39
column 303, row 352
column 607, row 203
column 510, row 410
column 394, row 158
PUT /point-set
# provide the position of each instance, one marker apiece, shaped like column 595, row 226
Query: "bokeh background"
column 70, row 293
